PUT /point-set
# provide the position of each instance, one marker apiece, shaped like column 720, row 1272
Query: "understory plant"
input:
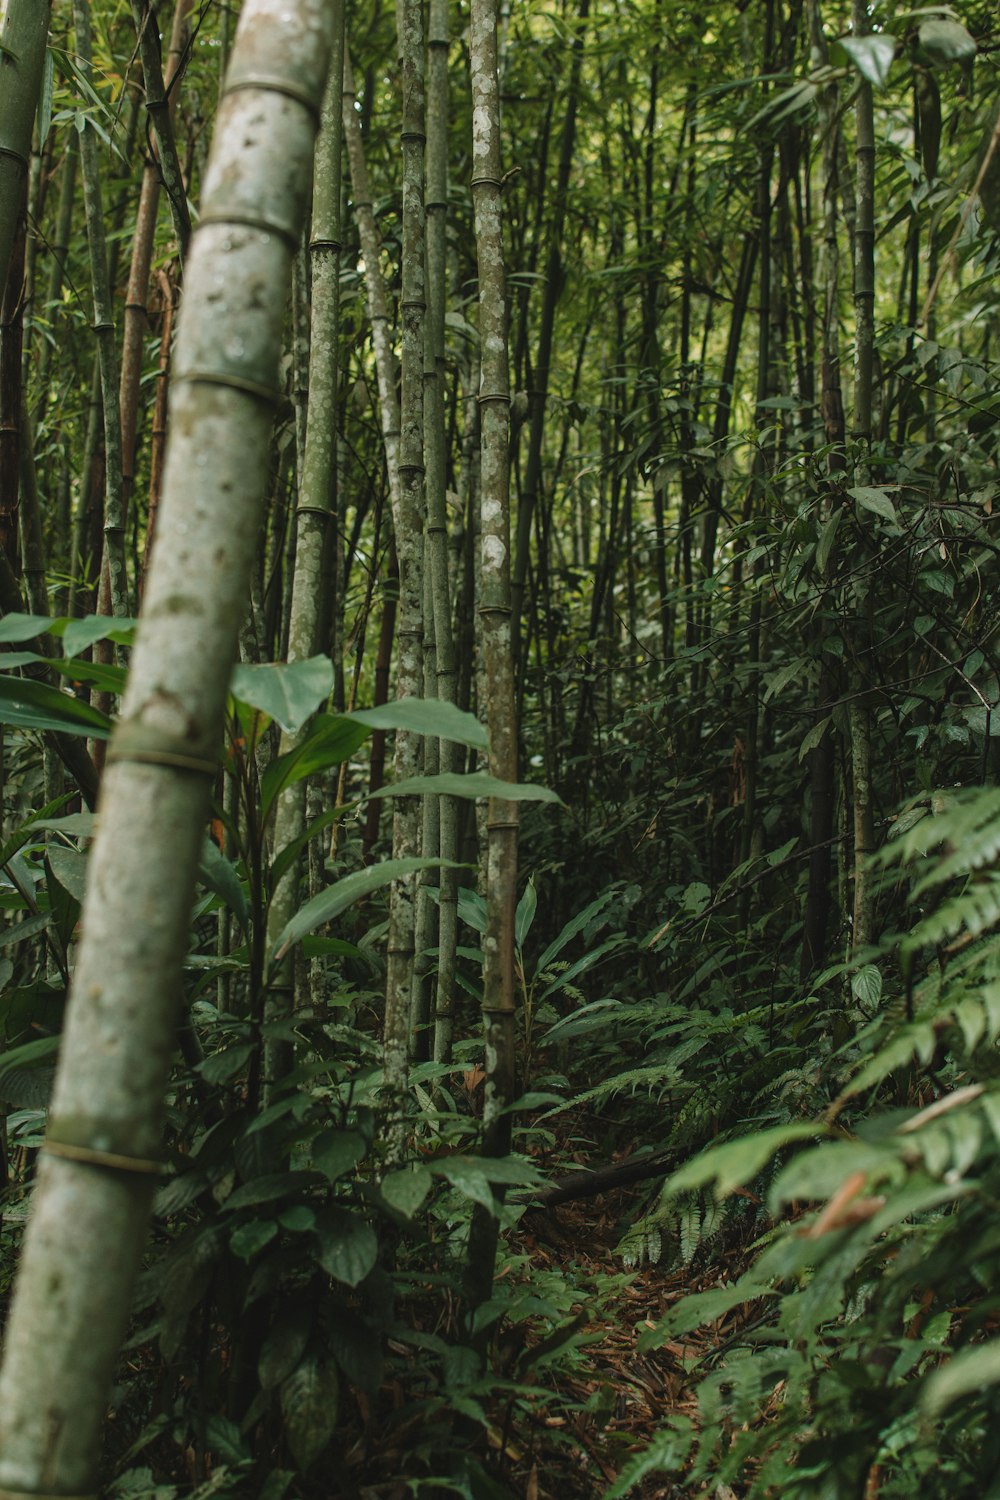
column 858, row 1352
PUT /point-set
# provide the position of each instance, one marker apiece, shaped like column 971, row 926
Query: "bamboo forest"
column 499, row 750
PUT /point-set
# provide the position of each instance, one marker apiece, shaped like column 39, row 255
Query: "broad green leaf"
column 289, row 692
column 332, row 739
column 221, row 1066
column 35, row 705
column 287, row 856
column 946, row 41
column 17, row 627
column 78, row 825
column 476, row 784
column 469, row 1178
column 101, row 674
column 737, row 1162
column 284, row 1343
column 875, row 500
column 335, row 1152
column 348, row 1248
column 357, row 1348
column 271, row 1187
column 814, row 737
column 866, row 985
column 249, row 1239
column 310, row 1399
column 969, row 1371
column 783, row 676
column 77, row 635
column 472, row 1175
column 33, row 1059
column 472, row 909
column 331, row 902
column 871, row 55
column 69, row 867
column 407, row 1189
column 425, row 716
column 218, row 873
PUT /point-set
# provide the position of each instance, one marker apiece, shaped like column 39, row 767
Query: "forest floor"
column 564, row 1423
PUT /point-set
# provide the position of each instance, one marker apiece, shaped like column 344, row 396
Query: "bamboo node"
column 7, row 1494
column 93, row 1156
column 272, row 83
column 486, row 180
column 134, row 741
column 318, row 244
column 17, row 156
column 485, row 396
column 225, row 216
column 241, row 383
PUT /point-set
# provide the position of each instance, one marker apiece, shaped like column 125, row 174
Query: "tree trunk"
column 95, row 1180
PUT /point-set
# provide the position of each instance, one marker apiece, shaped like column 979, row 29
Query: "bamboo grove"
column 550, row 453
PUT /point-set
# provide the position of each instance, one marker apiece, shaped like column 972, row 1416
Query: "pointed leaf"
column 737, row 1162
column 871, row 55
column 289, row 692
column 332, row 739
column 425, row 716
column 309, row 1402
column 79, row 634
column 331, row 902
column 827, row 535
column 875, row 500
column 18, row 627
column 946, row 41
column 573, row 926
column 348, row 1248
column 69, row 867
column 35, row 705
column 476, row 784
column 219, row 874
column 407, row 1189
column 525, row 914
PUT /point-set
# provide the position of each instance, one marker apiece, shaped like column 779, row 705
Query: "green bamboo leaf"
column 44, row 115
column 476, row 784
column 525, row 914
column 36, row 705
column 289, row 692
column 573, row 926
column 331, row 902
column 580, row 967
column 425, row 716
